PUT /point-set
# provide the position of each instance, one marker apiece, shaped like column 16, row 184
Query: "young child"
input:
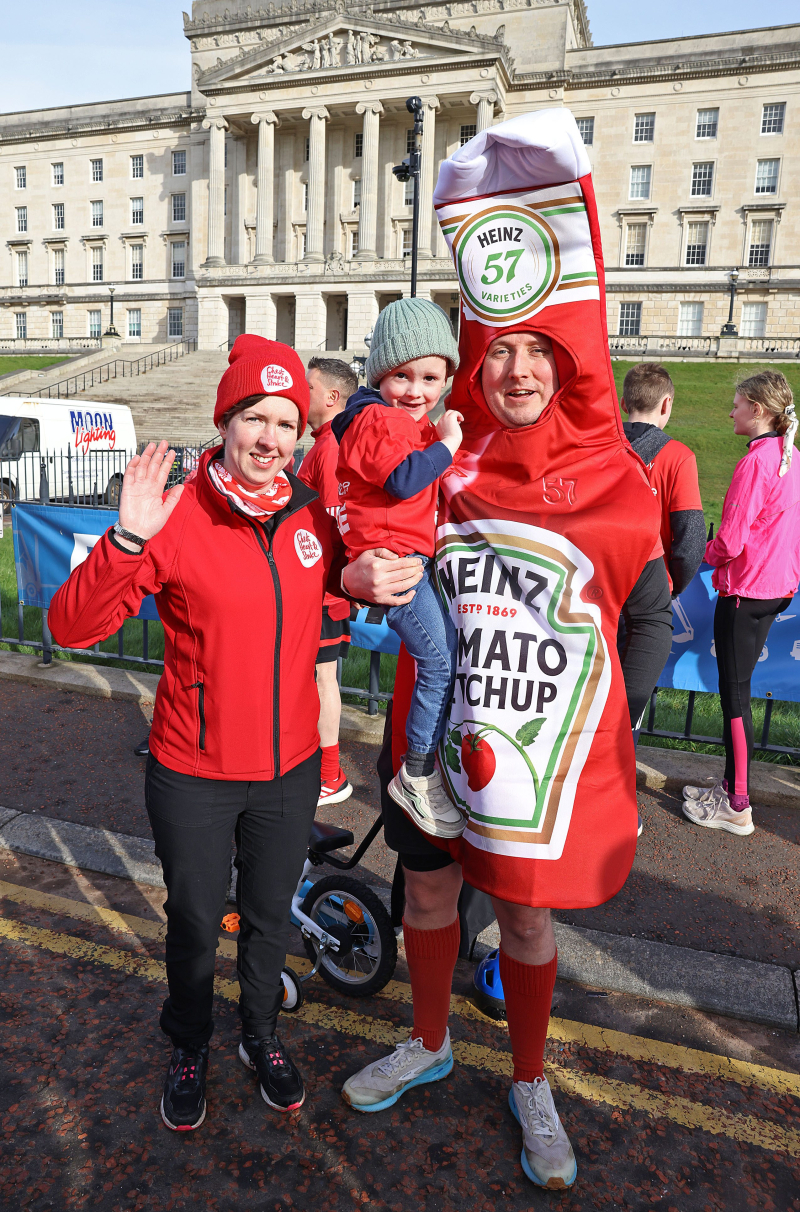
column 390, row 461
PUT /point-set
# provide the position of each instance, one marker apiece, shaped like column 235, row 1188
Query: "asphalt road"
column 658, row 1120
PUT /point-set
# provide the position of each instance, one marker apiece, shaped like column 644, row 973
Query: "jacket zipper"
column 201, row 708
column 276, row 668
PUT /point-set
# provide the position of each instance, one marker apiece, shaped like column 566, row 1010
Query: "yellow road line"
column 765, row 1134
column 633, row 1047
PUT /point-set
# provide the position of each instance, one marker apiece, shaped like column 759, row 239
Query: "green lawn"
column 10, row 363
column 703, row 397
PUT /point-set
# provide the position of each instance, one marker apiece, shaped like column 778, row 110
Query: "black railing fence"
column 118, row 368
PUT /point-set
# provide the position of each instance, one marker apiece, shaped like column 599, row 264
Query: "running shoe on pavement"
column 713, row 810
column 547, row 1156
column 423, row 798
column 700, row 793
column 334, row 791
column 281, row 1084
column 183, row 1103
column 380, row 1084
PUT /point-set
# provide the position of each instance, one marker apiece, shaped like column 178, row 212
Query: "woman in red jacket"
column 238, row 559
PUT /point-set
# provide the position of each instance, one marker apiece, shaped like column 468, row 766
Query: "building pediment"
column 338, row 44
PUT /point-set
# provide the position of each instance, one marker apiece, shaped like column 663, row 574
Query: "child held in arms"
column 390, row 459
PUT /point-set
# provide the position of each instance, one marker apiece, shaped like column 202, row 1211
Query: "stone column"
column 315, row 216
column 426, row 179
column 216, row 127
column 485, row 103
column 368, row 218
column 266, row 123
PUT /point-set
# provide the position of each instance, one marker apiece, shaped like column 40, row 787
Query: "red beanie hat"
column 259, row 367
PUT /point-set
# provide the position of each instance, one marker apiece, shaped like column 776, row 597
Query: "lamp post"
column 730, row 329
column 111, row 330
column 410, row 170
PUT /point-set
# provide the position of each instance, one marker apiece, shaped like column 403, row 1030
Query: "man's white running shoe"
column 547, row 1156
column 380, row 1084
column 424, row 799
column 713, row 810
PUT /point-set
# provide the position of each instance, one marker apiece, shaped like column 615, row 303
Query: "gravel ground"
column 70, row 756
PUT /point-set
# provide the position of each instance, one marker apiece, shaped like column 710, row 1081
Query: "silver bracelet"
column 126, row 534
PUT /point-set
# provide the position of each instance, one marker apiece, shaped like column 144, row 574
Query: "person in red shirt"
column 330, row 384
column 390, row 461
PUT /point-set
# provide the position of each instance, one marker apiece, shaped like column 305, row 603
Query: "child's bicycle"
column 347, row 932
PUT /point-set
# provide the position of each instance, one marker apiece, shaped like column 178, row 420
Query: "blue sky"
column 66, row 51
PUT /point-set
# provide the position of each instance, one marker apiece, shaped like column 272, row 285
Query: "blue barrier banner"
column 50, row 541
column 692, row 663
column 376, row 637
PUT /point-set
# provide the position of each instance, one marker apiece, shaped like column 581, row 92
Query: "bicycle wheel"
column 353, row 914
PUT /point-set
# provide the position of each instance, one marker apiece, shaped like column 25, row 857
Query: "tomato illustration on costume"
column 478, row 759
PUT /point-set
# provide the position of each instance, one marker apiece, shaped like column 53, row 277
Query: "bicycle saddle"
column 325, row 838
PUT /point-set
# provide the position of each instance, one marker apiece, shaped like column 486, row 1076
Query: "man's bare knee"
column 432, row 897
column 526, row 934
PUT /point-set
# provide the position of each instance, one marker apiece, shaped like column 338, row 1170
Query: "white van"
column 61, row 450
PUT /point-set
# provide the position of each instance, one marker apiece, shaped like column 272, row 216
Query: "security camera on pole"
column 410, row 170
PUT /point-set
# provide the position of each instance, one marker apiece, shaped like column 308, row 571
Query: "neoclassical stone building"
column 264, row 198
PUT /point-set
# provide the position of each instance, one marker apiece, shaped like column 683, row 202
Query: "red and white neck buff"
column 255, row 504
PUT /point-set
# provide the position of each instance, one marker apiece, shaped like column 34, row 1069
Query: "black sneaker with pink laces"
column 183, row 1103
column 281, row 1084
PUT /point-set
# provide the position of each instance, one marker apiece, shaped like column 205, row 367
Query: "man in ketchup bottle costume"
column 546, row 520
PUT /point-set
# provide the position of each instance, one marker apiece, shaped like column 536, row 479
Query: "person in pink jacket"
column 756, row 561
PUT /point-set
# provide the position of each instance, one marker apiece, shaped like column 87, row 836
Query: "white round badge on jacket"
column 275, row 378
column 308, row 548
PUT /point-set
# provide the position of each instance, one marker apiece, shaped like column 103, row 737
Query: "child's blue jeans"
column 427, row 631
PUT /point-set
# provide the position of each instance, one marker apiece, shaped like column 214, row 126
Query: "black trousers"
column 644, row 637
column 741, row 627
column 194, row 822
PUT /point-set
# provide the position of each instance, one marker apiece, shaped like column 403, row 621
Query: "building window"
column 21, row 177
column 358, row 148
column 179, row 164
column 353, row 241
column 356, row 192
column 97, row 214
column 586, row 130
column 137, row 211
column 134, row 321
column 697, row 244
column 97, row 265
column 306, row 149
column 137, row 262
column 179, row 259
column 772, row 117
column 97, row 170
column 179, row 208
column 468, row 131
column 58, row 266
column 406, row 245
column 58, row 173
column 22, row 269
column 95, row 323
column 58, row 216
column 137, row 167
column 305, row 197
column 630, row 319
column 707, row 123
column 408, row 192
column 410, row 142
column 640, row 180
column 635, row 240
column 767, row 176
column 644, row 126
column 690, row 320
column 226, row 155
column 174, row 321
column 760, row 242
column 754, row 320
column 56, row 325
column 22, row 218
column 225, row 203
column 702, row 179
column 21, row 325
column 302, row 245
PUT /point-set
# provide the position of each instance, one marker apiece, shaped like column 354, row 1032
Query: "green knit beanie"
column 407, row 329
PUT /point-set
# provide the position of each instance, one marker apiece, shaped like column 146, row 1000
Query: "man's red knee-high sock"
column 431, row 956
column 528, row 990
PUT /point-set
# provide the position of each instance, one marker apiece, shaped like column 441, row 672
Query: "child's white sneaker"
column 423, row 798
